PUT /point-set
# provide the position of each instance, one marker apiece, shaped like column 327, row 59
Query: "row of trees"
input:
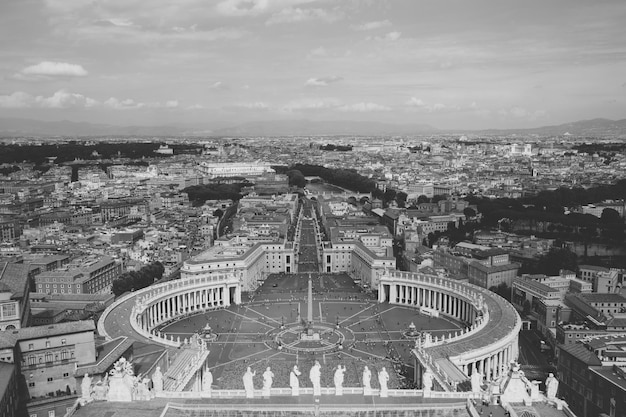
column 68, row 152
column 349, row 179
column 198, row 194
column 136, row 280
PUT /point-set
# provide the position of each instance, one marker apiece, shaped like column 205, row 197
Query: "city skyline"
column 449, row 65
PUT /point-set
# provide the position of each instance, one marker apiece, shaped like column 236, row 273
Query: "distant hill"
column 321, row 128
column 593, row 127
column 11, row 127
column 27, row 127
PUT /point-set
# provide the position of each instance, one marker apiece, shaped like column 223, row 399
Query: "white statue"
column 268, row 378
column 85, row 388
column 367, row 381
column 207, row 381
column 100, row 389
column 338, row 379
column 248, row 382
column 294, row 383
column 315, row 375
column 552, row 386
column 477, row 381
column 157, row 380
column 427, row 381
column 383, row 379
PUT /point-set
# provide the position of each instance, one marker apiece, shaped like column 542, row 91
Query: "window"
column 31, row 384
column 50, row 379
column 31, row 346
column 47, row 343
column 66, row 375
column 63, row 341
column 51, row 413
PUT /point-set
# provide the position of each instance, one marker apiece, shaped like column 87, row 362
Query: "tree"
column 555, row 260
column 296, row 178
column 422, row 199
column 401, row 197
column 610, row 216
column 218, row 213
column 469, row 212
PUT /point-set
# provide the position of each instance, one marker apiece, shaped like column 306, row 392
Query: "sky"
column 469, row 64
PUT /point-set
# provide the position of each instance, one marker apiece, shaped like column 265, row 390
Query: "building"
column 87, row 275
column 47, row 358
column 9, row 392
column 250, row 262
column 592, row 375
column 14, row 291
column 234, row 169
column 491, row 268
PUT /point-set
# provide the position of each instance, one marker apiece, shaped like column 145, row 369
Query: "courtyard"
column 355, row 331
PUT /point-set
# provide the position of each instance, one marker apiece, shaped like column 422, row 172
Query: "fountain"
column 207, row 334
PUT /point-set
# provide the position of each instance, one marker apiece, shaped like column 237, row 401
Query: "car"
column 274, row 285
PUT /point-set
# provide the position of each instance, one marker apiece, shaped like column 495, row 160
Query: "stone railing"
column 286, row 392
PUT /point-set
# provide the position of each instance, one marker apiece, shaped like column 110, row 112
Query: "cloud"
column 125, row 104
column 256, row 105
column 130, row 104
column 254, row 7
column 49, row 69
column 317, row 52
column 522, row 113
column 419, row 104
column 372, row 25
column 311, row 104
column 322, row 82
column 389, row 37
column 218, row 85
column 292, row 15
column 416, row 102
column 62, row 99
column 242, row 7
column 119, row 22
column 393, row 36
column 363, row 107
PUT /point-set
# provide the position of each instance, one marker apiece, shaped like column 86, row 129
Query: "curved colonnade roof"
column 502, row 321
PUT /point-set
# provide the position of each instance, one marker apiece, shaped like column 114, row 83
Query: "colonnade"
column 482, row 314
column 173, row 305
column 492, row 365
column 417, row 296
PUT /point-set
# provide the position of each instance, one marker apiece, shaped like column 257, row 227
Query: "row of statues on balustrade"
column 120, row 384
column 315, row 374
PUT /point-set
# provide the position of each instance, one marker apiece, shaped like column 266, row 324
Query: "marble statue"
column 477, row 381
column 314, row 375
column 338, row 379
column 121, row 382
column 367, row 381
column 248, row 382
column 207, row 381
column 85, row 389
column 268, row 379
column 552, row 386
column 100, row 390
column 427, row 381
column 383, row 379
column 157, row 380
column 294, row 383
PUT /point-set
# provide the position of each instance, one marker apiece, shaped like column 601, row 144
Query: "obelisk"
column 309, row 316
